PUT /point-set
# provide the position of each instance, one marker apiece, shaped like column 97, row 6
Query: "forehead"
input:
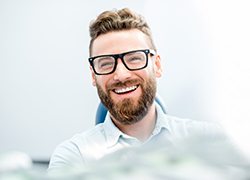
column 120, row 41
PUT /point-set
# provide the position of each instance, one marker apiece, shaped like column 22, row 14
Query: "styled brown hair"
column 117, row 20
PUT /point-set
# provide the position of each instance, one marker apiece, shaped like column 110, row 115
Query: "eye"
column 105, row 62
column 135, row 58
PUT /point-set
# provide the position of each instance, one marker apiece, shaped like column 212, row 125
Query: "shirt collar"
column 161, row 121
column 113, row 133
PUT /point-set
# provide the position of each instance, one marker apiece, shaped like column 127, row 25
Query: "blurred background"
column 46, row 95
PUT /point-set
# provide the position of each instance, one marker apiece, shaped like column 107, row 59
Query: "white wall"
column 46, row 94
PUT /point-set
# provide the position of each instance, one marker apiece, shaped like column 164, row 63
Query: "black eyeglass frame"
column 116, row 56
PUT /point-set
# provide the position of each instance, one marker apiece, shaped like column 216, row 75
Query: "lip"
column 125, row 90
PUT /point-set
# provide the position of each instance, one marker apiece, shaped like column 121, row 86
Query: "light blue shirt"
column 106, row 138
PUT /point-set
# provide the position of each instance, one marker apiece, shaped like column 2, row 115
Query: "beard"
column 129, row 111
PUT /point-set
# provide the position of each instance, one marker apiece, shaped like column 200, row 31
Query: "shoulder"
column 185, row 127
column 77, row 150
column 96, row 133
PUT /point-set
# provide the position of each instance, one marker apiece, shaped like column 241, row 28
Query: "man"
column 124, row 64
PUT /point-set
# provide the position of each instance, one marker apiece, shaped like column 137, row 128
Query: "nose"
column 121, row 73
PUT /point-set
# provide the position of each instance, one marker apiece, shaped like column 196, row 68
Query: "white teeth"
column 123, row 90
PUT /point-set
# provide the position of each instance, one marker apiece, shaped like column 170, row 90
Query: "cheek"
column 151, row 71
column 155, row 71
column 144, row 74
column 102, row 82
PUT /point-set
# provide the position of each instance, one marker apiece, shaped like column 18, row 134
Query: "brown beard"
column 128, row 112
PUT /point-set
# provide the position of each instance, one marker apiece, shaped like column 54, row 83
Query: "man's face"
column 127, row 94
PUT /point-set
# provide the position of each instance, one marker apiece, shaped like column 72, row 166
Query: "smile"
column 126, row 89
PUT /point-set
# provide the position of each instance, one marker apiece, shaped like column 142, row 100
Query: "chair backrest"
column 102, row 110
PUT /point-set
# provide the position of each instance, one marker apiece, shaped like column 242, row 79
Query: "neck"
column 142, row 129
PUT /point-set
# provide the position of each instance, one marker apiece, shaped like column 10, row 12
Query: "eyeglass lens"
column 133, row 61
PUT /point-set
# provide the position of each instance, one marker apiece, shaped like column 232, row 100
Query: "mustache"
column 123, row 84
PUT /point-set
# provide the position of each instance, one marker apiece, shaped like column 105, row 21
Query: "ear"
column 158, row 66
column 93, row 76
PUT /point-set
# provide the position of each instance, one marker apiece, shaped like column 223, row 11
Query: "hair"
column 118, row 20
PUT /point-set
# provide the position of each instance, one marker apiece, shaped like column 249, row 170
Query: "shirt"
column 106, row 138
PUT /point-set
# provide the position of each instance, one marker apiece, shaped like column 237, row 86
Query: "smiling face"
column 127, row 94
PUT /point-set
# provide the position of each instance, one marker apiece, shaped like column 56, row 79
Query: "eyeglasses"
column 132, row 60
